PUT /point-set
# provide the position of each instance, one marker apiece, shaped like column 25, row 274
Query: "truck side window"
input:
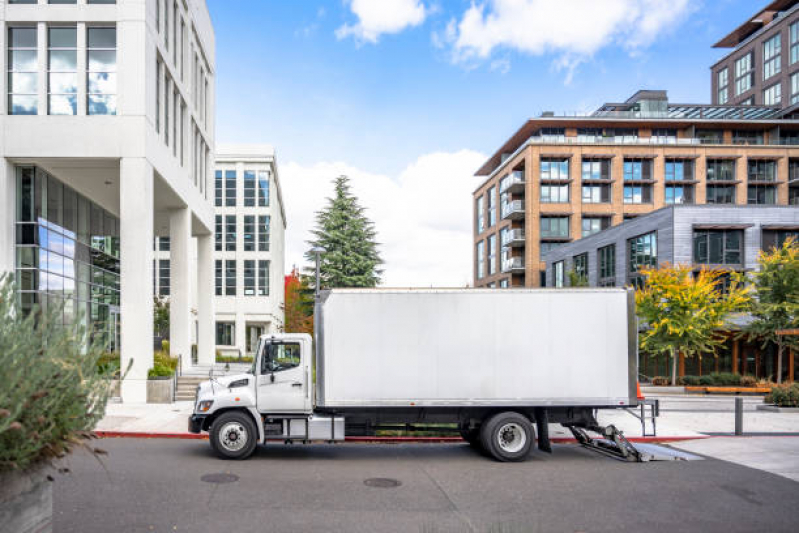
column 280, row 356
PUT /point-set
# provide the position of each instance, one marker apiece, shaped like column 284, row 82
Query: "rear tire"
column 507, row 436
column 233, row 435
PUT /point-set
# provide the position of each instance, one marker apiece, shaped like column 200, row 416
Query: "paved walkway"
column 778, row 455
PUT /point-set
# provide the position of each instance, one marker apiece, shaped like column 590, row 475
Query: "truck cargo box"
column 471, row 347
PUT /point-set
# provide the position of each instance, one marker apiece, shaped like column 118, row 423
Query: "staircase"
column 188, row 381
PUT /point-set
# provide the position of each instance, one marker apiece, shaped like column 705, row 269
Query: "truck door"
column 283, row 378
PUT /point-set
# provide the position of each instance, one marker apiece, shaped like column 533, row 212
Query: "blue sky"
column 372, row 87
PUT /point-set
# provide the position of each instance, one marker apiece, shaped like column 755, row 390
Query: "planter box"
column 777, row 409
column 729, row 390
column 160, row 390
column 26, row 501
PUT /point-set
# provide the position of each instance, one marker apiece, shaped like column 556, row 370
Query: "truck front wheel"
column 233, row 435
column 507, row 436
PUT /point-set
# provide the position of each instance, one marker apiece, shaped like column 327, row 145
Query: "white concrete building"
column 107, row 141
column 249, row 247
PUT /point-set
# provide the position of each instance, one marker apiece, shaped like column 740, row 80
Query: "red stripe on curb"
column 378, row 440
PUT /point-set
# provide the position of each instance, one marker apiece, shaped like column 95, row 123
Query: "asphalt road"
column 157, row 485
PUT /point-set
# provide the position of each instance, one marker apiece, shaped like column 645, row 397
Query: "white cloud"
column 423, row 216
column 376, row 17
column 573, row 29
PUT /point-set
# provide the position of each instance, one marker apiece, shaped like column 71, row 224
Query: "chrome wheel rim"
column 511, row 437
column 233, row 436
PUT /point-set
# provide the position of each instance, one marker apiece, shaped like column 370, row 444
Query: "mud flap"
column 542, row 429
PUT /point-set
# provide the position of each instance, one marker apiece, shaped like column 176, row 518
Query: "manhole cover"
column 382, row 482
column 220, row 478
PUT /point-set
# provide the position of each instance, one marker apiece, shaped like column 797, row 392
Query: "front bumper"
column 196, row 423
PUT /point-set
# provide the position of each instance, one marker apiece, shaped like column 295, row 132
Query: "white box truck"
column 490, row 364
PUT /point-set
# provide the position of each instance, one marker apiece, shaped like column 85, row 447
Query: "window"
column 761, row 194
column 504, row 283
column 480, row 259
column 710, row 136
column 249, row 233
column 720, row 170
column 218, row 276
column 664, row 136
column 158, row 69
column 776, row 238
column 480, row 215
column 591, row 225
column 718, row 247
column 548, row 246
column 23, row 68
column 679, row 194
column 230, row 188
column 762, row 170
column 794, row 88
column 263, row 188
column 225, row 334
column 249, row 188
column 772, row 56
column 492, row 255
column 720, row 194
column 553, row 135
column 492, row 207
column 62, row 70
column 218, row 189
column 101, row 78
column 230, row 233
column 607, row 266
column 642, row 252
column 637, row 169
column 263, row 278
column 637, row 194
column 218, row 234
column 280, row 356
column 723, row 82
column 596, row 194
column 558, row 274
column 679, row 170
column 794, row 42
column 554, row 194
column 595, row 169
column 744, row 74
column 747, row 137
column 773, row 95
column 554, row 169
column 264, row 222
column 555, row 227
column 163, row 277
column 581, row 266
column 249, row 277
column 230, row 277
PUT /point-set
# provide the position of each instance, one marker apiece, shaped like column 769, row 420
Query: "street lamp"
column 317, row 251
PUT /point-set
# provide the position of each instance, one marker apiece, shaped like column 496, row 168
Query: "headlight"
column 205, row 405
column 238, row 383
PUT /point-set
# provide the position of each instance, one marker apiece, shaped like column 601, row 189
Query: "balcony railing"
column 513, row 238
column 513, row 182
column 513, row 210
column 513, row 265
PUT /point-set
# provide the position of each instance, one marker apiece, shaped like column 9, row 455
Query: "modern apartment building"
column 560, row 178
column 721, row 237
column 762, row 66
column 249, row 248
column 107, row 142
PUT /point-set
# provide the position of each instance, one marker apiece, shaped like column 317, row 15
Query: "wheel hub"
column 511, row 437
column 233, row 436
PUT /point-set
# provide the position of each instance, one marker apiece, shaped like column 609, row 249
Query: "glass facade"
column 67, row 254
column 642, row 252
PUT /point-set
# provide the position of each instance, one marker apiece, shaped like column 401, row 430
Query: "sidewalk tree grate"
column 220, row 478
column 382, row 483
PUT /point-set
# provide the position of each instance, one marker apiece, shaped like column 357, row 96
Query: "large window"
column 720, row 170
column 679, row 194
column 591, row 225
column 249, row 233
column 718, row 247
column 264, row 221
column 218, row 277
column 249, row 277
column 230, row 233
column 249, row 188
column 762, row 170
column 230, row 277
column 762, row 177
column 555, row 227
column 772, row 56
column 62, row 70
column 554, row 193
column 554, row 169
column 230, row 188
column 481, row 259
column 101, row 77
column 794, row 88
column 163, row 277
column 218, row 188
column 723, row 86
column 263, row 188
column 218, row 234
column 263, row 277
column 492, row 207
column 225, row 334
column 773, row 95
column 679, row 170
column 23, row 68
column 558, row 274
column 581, row 267
column 720, row 194
column 637, row 169
column 641, row 252
column 607, row 266
column 744, row 74
column 776, row 238
column 480, row 214
column 794, row 42
column 637, row 194
column 492, row 255
column 596, row 194
column 595, row 169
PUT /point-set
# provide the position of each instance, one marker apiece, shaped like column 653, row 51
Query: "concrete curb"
column 375, row 440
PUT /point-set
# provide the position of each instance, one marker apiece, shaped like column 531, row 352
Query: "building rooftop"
column 755, row 23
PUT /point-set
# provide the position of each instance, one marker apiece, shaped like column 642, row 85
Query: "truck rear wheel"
column 507, row 436
column 233, row 435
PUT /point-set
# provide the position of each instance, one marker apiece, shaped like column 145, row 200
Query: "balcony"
column 513, row 182
column 513, row 238
column 513, row 265
column 513, row 210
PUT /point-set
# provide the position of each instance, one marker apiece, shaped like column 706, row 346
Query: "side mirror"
column 272, row 377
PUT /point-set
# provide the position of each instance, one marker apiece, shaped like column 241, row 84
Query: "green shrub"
column 726, row 379
column 165, row 345
column 707, row 381
column 233, row 359
column 661, row 381
column 53, row 393
column 785, row 395
column 163, row 365
column 109, row 363
column 689, row 381
column 748, row 381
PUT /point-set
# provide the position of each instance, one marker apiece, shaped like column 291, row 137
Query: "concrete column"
column 180, row 285
column 206, row 343
column 241, row 332
column 8, row 210
column 136, row 255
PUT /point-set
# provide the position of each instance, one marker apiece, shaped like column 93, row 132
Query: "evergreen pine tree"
column 342, row 228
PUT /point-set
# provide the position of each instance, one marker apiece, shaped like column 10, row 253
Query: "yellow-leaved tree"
column 685, row 312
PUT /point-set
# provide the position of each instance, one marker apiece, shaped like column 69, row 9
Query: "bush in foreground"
column 786, row 395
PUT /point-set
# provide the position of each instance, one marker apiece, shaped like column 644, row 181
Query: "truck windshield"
column 280, row 356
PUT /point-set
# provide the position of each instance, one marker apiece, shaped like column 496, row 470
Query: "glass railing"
column 514, row 207
column 511, row 236
column 513, row 263
column 516, row 177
